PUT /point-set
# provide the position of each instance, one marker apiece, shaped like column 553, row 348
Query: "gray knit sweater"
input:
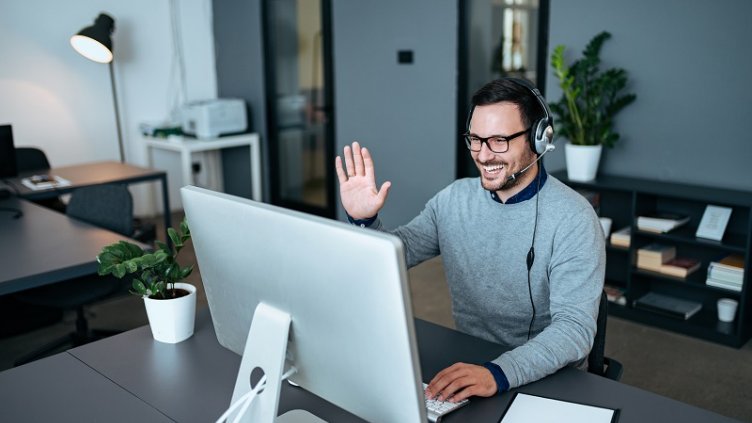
column 483, row 245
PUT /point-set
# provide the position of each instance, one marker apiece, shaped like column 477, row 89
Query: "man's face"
column 500, row 119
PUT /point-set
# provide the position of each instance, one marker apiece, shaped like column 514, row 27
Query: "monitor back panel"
column 345, row 287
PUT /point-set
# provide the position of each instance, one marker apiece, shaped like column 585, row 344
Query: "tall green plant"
column 157, row 272
column 591, row 98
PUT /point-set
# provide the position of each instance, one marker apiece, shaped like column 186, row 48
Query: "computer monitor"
column 343, row 288
column 8, row 168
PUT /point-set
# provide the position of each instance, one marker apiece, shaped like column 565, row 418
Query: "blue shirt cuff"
column 502, row 383
column 364, row 223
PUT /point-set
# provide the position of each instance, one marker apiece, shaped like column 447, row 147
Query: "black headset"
column 542, row 130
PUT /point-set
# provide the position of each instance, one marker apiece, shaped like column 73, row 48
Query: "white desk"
column 187, row 146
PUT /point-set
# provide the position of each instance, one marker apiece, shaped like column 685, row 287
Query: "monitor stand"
column 265, row 348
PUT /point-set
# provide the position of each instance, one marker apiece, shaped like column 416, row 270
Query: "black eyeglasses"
column 496, row 143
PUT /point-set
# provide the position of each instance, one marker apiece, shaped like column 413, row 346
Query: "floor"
column 704, row 374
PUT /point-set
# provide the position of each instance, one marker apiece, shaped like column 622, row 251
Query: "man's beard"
column 499, row 185
column 506, row 183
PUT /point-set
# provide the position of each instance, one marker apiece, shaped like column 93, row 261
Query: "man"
column 524, row 254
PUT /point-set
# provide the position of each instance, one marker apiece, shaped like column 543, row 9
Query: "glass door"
column 299, row 104
column 498, row 38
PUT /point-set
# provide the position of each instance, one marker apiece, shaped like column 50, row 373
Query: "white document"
column 713, row 223
column 43, row 182
column 531, row 408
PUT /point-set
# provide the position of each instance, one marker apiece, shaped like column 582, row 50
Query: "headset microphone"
column 512, row 177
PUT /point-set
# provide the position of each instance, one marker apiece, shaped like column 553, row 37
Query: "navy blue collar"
column 529, row 191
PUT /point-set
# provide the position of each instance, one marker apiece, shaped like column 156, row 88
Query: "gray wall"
column 404, row 114
column 240, row 73
column 691, row 68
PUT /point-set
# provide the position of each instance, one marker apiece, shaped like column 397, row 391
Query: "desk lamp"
column 95, row 43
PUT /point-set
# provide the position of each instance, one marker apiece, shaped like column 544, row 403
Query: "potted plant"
column 590, row 100
column 158, row 278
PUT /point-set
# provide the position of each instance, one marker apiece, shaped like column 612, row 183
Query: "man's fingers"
column 384, row 191
column 358, row 159
column 349, row 166
column 367, row 162
column 456, row 385
column 341, row 175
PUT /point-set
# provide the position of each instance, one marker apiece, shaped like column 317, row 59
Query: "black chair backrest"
column 596, row 358
column 107, row 206
column 30, row 159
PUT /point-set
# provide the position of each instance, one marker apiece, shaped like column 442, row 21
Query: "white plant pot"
column 582, row 161
column 172, row 320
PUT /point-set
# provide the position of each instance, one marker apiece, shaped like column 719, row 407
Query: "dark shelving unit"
column 623, row 199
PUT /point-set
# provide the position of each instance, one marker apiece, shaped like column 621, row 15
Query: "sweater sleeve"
column 420, row 235
column 575, row 272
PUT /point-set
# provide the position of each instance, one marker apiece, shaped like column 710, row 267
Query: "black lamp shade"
column 95, row 42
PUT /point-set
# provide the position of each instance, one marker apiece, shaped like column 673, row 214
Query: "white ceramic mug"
column 727, row 309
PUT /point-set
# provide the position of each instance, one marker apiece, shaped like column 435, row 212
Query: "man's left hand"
column 460, row 381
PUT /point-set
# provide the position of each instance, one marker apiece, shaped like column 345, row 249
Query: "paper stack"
column 661, row 222
column 727, row 273
column 42, row 182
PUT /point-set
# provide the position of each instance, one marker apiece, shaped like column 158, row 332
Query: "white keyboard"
column 436, row 409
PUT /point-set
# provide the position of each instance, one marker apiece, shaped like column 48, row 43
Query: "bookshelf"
column 623, row 199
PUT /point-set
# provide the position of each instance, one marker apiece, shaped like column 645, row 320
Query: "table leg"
column 255, row 169
column 166, row 206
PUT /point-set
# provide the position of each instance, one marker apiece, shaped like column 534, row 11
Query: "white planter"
column 582, row 161
column 172, row 320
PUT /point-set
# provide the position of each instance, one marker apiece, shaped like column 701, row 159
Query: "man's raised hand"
column 357, row 183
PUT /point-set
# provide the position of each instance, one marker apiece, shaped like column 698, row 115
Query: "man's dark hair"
column 512, row 91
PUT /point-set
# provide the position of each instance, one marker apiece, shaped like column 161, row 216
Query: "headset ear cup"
column 538, row 141
column 542, row 137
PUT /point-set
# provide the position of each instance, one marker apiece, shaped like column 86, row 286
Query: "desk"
column 60, row 388
column 187, row 146
column 193, row 381
column 94, row 174
column 44, row 246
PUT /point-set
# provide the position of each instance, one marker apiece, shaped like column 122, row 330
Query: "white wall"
column 61, row 102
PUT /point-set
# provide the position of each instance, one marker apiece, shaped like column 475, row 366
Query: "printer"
column 212, row 118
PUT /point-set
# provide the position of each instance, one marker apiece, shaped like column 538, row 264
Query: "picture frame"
column 714, row 222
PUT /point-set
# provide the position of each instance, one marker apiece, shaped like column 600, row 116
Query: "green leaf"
column 174, row 237
column 185, row 272
column 591, row 98
column 119, row 270
column 138, row 287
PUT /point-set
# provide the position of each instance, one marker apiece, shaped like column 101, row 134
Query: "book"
column 661, row 222
column 728, row 268
column 680, row 266
column 649, row 264
column 43, row 181
column 615, row 294
column 622, row 237
column 732, row 262
column 668, row 305
column 724, row 275
column 723, row 284
column 655, row 254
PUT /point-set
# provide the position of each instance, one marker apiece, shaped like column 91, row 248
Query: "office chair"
column 107, row 206
column 30, row 159
column 598, row 363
